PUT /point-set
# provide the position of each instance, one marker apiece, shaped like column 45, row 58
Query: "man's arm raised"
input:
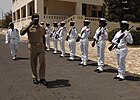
column 24, row 30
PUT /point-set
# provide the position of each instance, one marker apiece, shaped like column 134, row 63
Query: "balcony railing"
column 74, row 18
column 92, row 18
column 124, row 2
column 55, row 17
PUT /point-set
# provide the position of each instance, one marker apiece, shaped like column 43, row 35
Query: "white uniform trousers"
column 62, row 46
column 100, row 54
column 13, row 47
column 121, row 56
column 55, row 42
column 72, row 47
column 47, row 41
column 84, row 50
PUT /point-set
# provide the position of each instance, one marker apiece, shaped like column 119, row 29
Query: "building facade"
column 54, row 10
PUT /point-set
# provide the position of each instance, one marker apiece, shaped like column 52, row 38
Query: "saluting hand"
column 33, row 21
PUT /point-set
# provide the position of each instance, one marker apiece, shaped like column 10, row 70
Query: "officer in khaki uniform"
column 36, row 35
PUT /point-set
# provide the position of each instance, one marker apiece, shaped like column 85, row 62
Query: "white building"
column 57, row 10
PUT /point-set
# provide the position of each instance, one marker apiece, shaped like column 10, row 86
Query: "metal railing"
column 55, row 17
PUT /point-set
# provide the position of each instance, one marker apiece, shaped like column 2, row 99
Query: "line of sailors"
column 58, row 34
column 101, row 35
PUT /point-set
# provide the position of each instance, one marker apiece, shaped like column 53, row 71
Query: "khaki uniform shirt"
column 35, row 34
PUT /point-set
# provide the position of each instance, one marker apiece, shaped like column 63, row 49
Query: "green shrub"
column 135, row 34
column 112, row 33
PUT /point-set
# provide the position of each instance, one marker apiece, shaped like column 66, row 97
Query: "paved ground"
column 66, row 80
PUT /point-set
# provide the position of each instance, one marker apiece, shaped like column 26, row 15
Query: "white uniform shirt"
column 85, row 32
column 12, row 36
column 103, row 36
column 123, row 42
column 47, row 31
column 72, row 32
column 55, row 29
column 61, row 32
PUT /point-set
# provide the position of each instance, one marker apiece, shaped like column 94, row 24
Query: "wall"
column 19, row 3
column 61, row 8
column 95, row 2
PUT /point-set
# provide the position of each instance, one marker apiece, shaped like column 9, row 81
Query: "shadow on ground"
column 22, row 58
column 132, row 78
column 58, row 83
column 110, row 70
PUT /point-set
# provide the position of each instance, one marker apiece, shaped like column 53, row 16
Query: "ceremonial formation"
column 40, row 35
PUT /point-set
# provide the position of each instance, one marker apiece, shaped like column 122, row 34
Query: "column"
column 39, row 8
column 78, row 10
column 26, row 11
column 20, row 14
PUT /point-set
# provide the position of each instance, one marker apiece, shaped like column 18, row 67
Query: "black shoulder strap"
column 118, row 41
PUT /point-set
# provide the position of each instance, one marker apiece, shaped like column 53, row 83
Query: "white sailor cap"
column 47, row 23
column 62, row 22
column 55, row 22
column 102, row 19
column 86, row 21
column 124, row 22
column 41, row 22
column 72, row 21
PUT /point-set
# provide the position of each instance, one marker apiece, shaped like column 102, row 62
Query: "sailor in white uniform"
column 84, row 34
column 100, row 37
column 47, row 36
column 54, row 36
column 122, row 49
column 61, row 37
column 71, row 37
column 13, row 38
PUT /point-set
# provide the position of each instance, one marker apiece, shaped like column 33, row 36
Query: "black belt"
column 13, row 38
column 36, row 44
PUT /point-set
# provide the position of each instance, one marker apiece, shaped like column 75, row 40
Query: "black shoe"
column 116, row 77
column 96, row 70
column 43, row 81
column 84, row 65
column 120, row 79
column 70, row 60
column 35, row 81
column 99, row 71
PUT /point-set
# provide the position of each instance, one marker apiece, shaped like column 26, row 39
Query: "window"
column 94, row 13
column 45, row 10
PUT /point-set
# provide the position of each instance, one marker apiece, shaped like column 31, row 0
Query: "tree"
column 123, row 9
column 137, row 11
column 115, row 10
column 7, row 19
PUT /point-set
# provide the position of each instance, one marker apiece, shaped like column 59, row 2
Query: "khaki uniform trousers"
column 37, row 51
